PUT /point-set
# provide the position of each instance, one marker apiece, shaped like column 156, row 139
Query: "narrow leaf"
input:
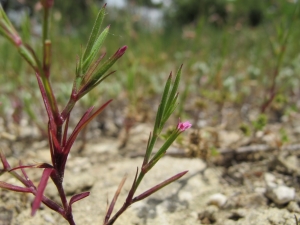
column 4, row 16
column 163, row 102
column 118, row 54
column 170, row 109
column 158, row 187
column 55, row 141
column 39, row 165
column 4, row 161
column 132, row 189
column 95, row 50
column 40, row 190
column 66, row 131
column 5, row 32
column 7, row 21
column 158, row 120
column 91, row 70
column 82, row 123
column 79, row 75
column 36, row 59
column 114, row 200
column 148, row 151
column 101, row 71
column 87, row 88
column 84, row 118
column 46, row 103
column 28, row 57
column 174, row 88
column 51, row 144
column 95, row 32
column 14, row 187
column 77, row 129
column 78, row 197
column 30, row 183
column 161, row 152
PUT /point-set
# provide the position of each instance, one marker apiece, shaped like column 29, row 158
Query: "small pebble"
column 281, row 194
column 293, row 207
column 218, row 200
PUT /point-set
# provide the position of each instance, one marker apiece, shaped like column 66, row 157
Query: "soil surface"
column 232, row 178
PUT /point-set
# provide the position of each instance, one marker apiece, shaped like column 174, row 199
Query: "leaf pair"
column 88, row 75
column 165, row 109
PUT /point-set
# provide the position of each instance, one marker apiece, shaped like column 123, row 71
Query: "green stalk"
column 45, row 25
column 46, row 66
column 139, row 179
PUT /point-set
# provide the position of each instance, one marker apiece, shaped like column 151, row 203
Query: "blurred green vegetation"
column 229, row 60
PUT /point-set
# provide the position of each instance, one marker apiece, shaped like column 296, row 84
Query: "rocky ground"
column 237, row 184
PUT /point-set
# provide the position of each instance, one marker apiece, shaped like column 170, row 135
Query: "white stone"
column 217, row 200
column 281, row 194
column 270, row 180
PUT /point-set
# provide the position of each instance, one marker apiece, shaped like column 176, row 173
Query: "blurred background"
column 241, row 58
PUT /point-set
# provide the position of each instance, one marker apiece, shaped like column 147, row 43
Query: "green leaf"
column 79, row 75
column 158, row 120
column 161, row 110
column 161, row 152
column 89, row 84
column 94, row 33
column 171, row 108
column 24, row 52
column 174, row 88
column 4, row 16
column 95, row 49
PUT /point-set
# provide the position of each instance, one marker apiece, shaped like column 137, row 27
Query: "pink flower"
column 182, row 126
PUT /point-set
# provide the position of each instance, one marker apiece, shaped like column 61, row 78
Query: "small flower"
column 182, row 126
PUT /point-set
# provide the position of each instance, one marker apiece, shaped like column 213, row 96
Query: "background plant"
column 245, row 65
column 89, row 73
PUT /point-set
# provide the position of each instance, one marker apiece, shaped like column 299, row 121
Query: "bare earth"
column 235, row 186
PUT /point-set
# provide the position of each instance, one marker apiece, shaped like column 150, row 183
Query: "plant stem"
column 139, row 179
column 129, row 201
column 70, row 105
column 45, row 74
column 58, row 181
column 121, row 210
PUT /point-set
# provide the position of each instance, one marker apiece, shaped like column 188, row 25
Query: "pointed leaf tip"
column 15, row 188
column 40, row 190
column 5, row 163
column 158, row 187
column 123, row 49
column 78, row 197
column 114, row 200
column 120, row 51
